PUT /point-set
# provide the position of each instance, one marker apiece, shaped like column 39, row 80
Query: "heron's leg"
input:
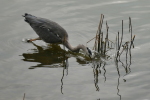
column 30, row 40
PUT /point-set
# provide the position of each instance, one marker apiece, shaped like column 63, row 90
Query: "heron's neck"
column 74, row 49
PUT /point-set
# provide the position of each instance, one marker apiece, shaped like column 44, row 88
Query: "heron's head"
column 30, row 18
column 86, row 50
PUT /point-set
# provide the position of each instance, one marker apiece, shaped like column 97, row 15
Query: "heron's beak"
column 89, row 53
column 25, row 15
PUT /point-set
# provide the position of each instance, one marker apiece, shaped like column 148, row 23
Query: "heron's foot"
column 30, row 40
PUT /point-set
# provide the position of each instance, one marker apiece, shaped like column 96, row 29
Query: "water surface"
column 36, row 69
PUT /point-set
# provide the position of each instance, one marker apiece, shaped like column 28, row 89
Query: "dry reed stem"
column 97, row 34
column 121, row 36
column 100, row 32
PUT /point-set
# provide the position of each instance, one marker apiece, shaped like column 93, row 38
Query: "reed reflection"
column 97, row 66
column 126, row 65
column 65, row 72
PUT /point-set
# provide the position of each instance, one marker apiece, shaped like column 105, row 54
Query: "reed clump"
column 103, row 44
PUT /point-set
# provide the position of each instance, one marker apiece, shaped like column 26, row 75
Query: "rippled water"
column 36, row 69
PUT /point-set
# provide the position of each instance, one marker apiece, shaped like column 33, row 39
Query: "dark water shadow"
column 52, row 56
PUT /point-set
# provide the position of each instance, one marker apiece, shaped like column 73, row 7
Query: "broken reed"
column 102, row 45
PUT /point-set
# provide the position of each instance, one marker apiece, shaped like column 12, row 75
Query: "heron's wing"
column 49, row 34
column 56, row 28
column 51, row 30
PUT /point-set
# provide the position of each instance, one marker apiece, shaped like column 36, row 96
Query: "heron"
column 51, row 32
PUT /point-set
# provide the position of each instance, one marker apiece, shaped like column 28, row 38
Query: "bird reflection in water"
column 52, row 56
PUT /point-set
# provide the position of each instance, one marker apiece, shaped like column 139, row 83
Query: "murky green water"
column 36, row 69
